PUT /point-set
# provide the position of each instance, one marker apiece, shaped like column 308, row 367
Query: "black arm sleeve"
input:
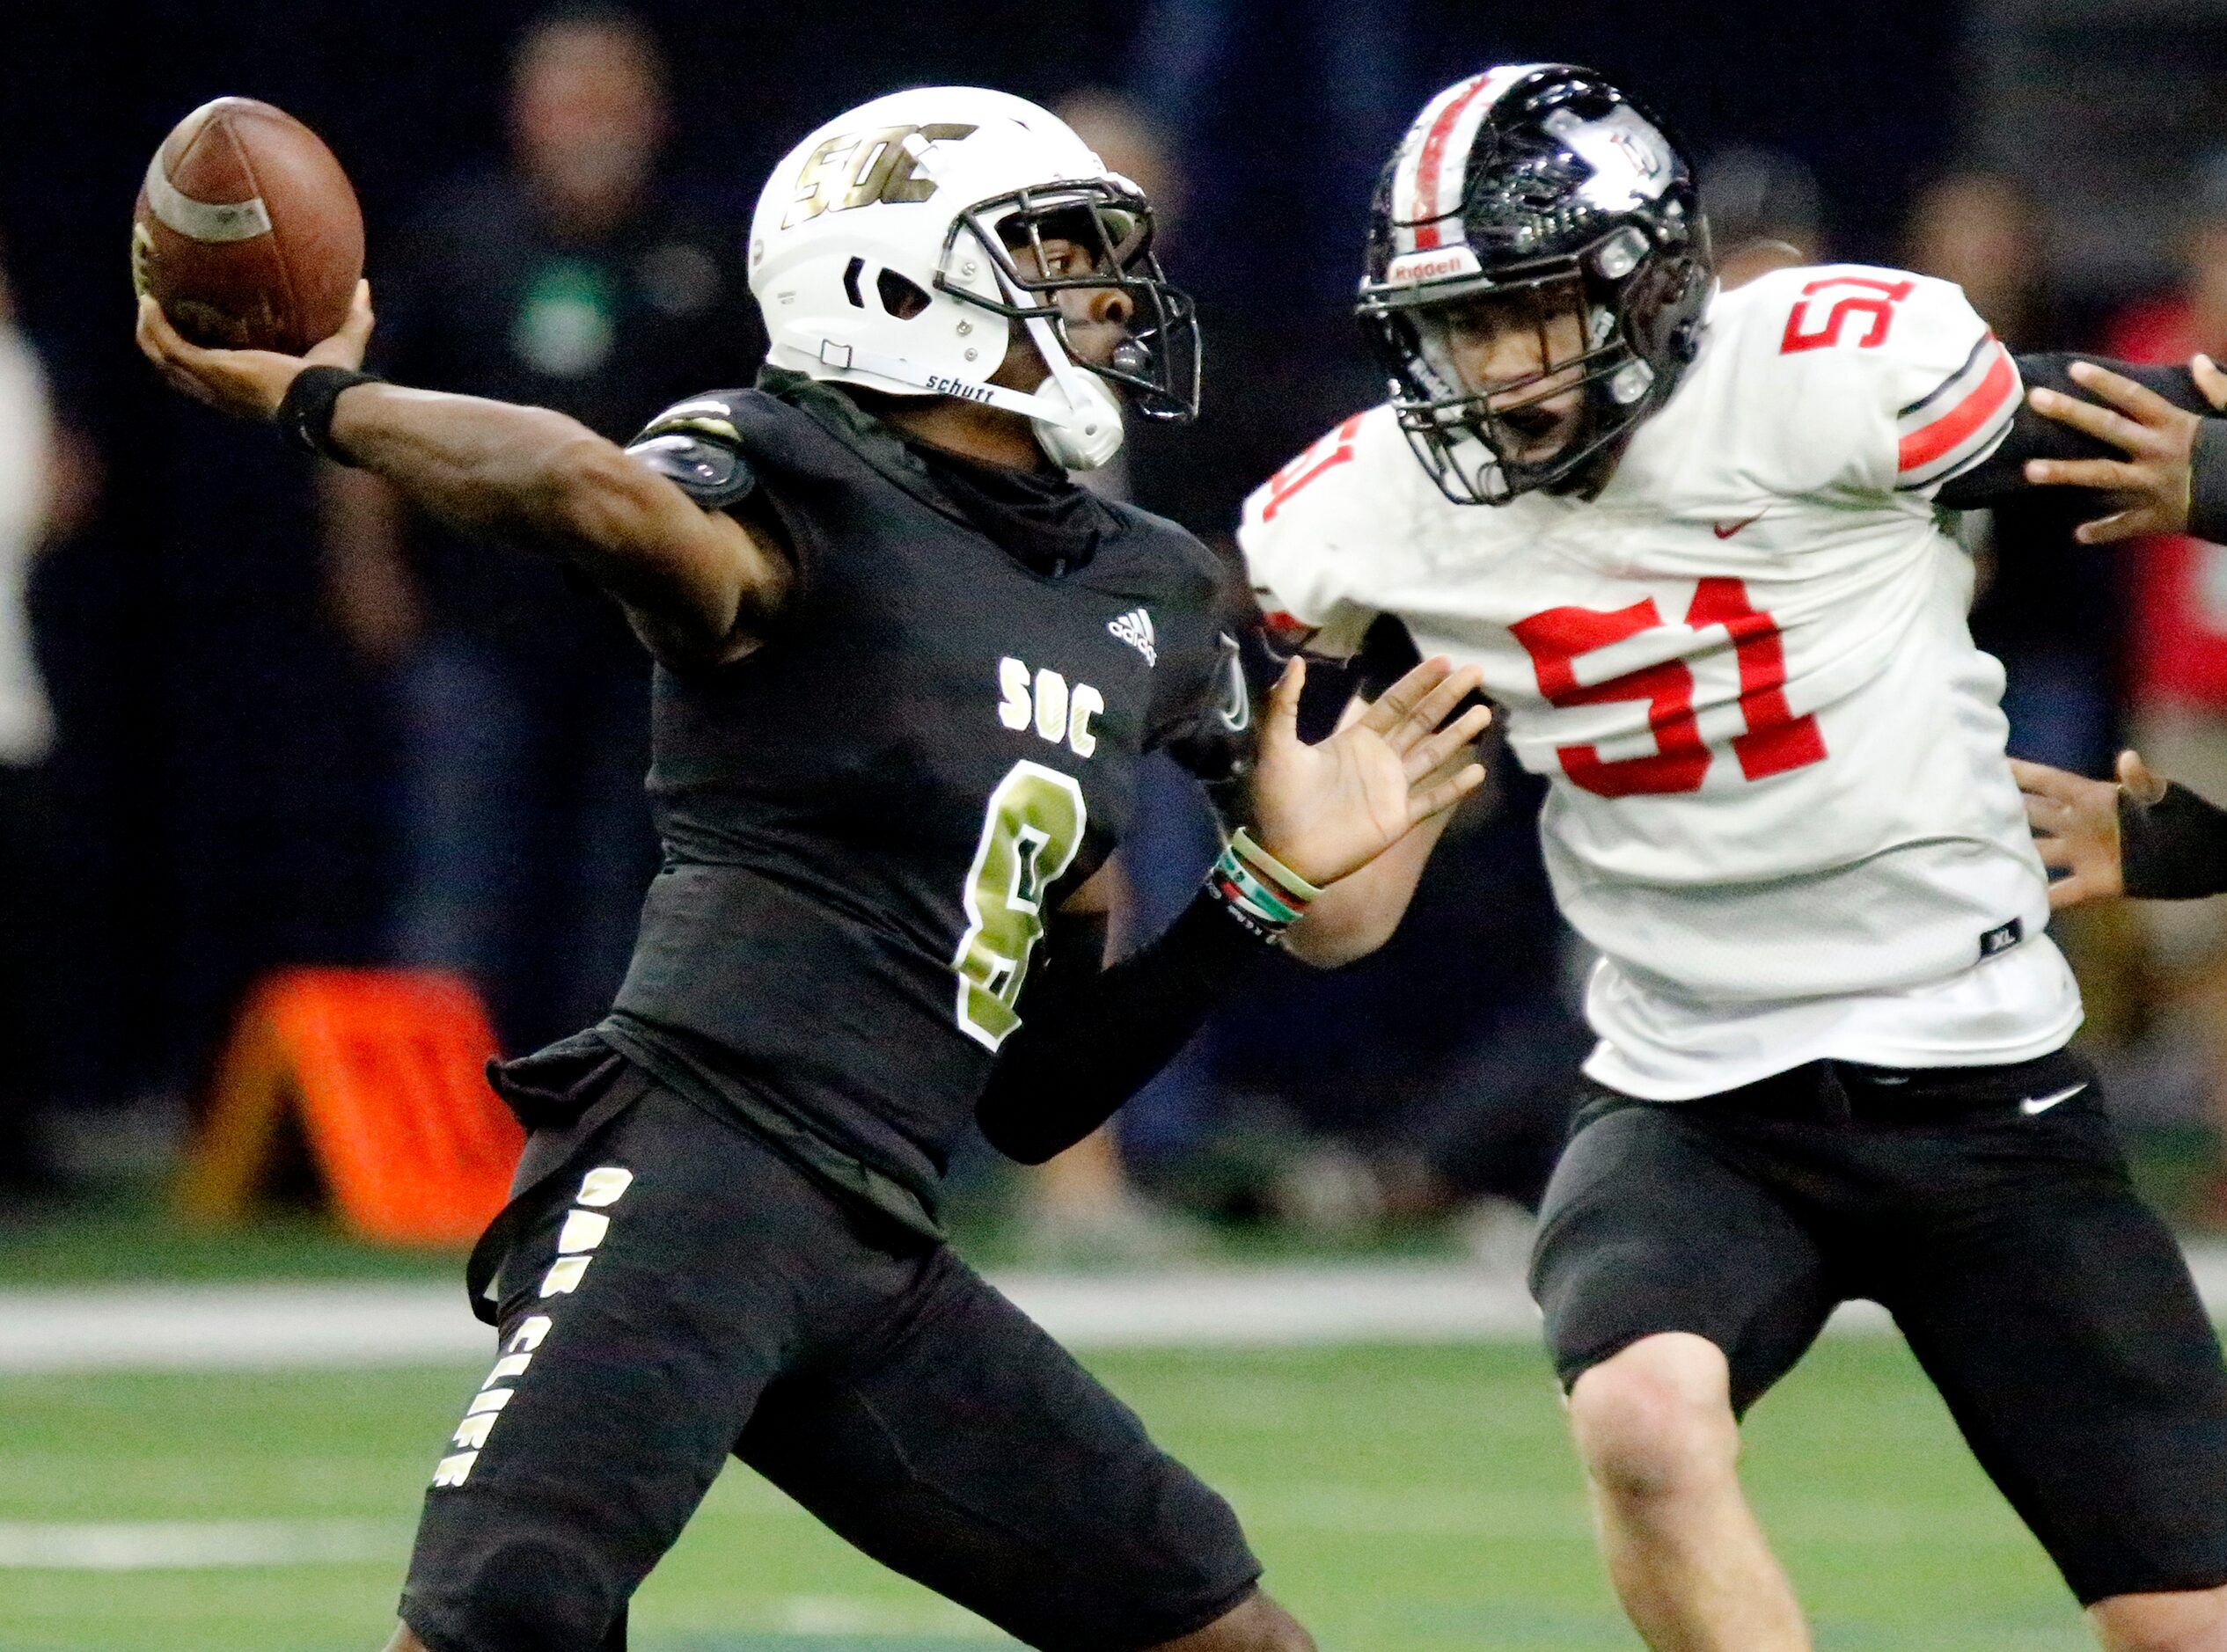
column 1093, row 1037
column 2174, row 848
column 2001, row 476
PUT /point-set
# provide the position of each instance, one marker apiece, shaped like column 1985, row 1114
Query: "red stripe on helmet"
column 1427, row 163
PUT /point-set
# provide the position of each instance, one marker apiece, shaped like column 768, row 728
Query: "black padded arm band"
column 709, row 471
column 304, row 416
column 698, row 445
column 2001, row 476
column 1092, row 1040
column 2174, row 848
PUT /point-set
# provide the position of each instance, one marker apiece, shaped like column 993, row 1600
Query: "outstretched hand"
column 1327, row 810
column 2076, row 825
column 247, row 383
column 2151, row 483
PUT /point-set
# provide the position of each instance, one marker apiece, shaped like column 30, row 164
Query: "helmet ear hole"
column 901, row 298
column 851, row 273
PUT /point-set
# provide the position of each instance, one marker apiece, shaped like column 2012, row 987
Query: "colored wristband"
column 1262, row 895
column 305, row 415
column 1274, row 870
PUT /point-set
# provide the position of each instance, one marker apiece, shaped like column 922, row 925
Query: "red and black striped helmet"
column 1543, row 182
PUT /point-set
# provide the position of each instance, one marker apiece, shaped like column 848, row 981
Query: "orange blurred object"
column 382, row 1069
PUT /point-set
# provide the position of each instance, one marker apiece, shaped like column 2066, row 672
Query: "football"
column 246, row 231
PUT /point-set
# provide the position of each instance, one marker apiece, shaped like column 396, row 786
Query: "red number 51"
column 1776, row 742
column 1872, row 300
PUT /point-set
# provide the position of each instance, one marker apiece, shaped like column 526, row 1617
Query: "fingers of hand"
column 2125, row 525
column 2210, row 380
column 2109, row 476
column 2143, row 402
column 1432, row 708
column 158, row 341
column 346, row 347
column 176, row 345
column 1426, row 801
column 1427, row 755
column 1460, row 758
column 2041, row 780
column 2141, row 783
column 1402, row 697
column 160, row 345
column 1283, row 700
column 180, row 364
column 2104, row 424
column 2078, row 887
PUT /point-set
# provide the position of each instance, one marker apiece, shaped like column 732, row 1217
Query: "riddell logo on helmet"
column 1433, row 265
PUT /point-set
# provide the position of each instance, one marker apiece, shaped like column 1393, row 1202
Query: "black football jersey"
column 868, row 821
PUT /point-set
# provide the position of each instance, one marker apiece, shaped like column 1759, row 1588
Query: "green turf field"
column 1402, row 1499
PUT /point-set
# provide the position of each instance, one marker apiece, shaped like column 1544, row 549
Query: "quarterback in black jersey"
column 905, row 672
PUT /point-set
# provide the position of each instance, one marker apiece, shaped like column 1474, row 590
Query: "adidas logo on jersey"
column 1135, row 629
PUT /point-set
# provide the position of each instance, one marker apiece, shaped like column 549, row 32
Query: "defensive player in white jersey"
column 1690, row 537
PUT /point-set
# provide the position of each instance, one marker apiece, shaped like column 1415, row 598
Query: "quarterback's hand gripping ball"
column 246, row 231
column 247, row 253
column 247, row 384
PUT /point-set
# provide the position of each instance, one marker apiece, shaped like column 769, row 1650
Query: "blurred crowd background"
column 253, row 714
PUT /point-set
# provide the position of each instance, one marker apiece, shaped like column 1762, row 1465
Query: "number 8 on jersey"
column 1030, row 832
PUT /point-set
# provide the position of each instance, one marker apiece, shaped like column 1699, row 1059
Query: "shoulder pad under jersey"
column 1854, row 377
column 1320, row 536
column 696, row 446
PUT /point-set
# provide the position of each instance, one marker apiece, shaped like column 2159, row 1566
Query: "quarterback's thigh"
column 970, row 1452
column 1655, row 1221
column 2056, row 1316
column 643, row 1313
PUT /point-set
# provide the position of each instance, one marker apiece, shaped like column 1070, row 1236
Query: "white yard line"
column 845, row 1615
column 194, row 1545
column 236, row 1327
column 333, row 1326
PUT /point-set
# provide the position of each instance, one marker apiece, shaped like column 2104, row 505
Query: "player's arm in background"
column 1092, row 1034
column 1875, row 382
column 700, row 585
column 2142, row 837
column 2133, row 443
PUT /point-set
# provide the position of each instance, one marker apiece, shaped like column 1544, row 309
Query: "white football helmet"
column 881, row 253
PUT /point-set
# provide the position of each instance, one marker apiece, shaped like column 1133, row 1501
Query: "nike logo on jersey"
column 1726, row 531
column 2034, row 1104
column 1135, row 629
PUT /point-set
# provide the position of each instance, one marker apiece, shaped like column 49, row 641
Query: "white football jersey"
column 1780, row 808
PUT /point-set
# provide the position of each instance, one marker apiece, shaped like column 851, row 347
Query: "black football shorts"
column 684, row 1293
column 1987, row 1209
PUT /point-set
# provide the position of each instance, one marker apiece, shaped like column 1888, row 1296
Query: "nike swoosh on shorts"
column 2034, row 1104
